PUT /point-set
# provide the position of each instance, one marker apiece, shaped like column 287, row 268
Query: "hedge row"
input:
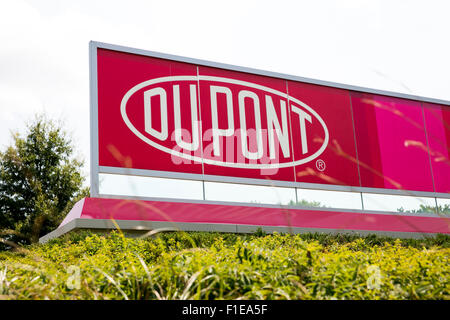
column 180, row 265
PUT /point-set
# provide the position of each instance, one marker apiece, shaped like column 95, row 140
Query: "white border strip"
column 93, row 118
column 264, row 182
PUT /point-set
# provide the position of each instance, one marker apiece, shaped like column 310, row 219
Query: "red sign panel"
column 392, row 143
column 170, row 116
column 437, row 122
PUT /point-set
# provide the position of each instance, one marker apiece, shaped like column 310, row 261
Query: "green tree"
column 40, row 180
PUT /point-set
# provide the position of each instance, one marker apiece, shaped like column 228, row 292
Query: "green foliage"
column 39, row 182
column 441, row 209
column 179, row 265
column 306, row 203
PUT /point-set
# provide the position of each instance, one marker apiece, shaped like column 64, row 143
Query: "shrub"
column 195, row 265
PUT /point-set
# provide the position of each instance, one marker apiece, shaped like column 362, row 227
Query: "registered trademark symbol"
column 320, row 165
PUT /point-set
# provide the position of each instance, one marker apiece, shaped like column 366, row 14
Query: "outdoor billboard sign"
column 160, row 115
column 176, row 117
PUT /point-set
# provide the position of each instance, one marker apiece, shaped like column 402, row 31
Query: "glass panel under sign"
column 397, row 203
column 219, row 191
column 443, row 206
column 329, row 199
column 125, row 185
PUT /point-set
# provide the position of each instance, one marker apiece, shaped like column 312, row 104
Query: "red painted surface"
column 118, row 145
column 119, row 209
column 340, row 156
column 235, row 153
column 437, row 120
column 387, row 135
column 391, row 141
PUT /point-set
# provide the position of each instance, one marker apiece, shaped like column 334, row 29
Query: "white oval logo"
column 261, row 98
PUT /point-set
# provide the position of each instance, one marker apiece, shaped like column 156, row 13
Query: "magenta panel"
column 337, row 165
column 247, row 96
column 163, row 115
column 119, row 146
column 437, row 119
column 391, row 143
column 119, row 209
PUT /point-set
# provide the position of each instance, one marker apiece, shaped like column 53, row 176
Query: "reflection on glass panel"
column 331, row 199
column 384, row 202
column 116, row 184
column 219, row 191
column 443, row 205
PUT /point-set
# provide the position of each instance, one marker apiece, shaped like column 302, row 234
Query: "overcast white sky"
column 394, row 45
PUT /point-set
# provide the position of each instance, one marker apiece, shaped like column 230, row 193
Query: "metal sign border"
column 96, row 169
